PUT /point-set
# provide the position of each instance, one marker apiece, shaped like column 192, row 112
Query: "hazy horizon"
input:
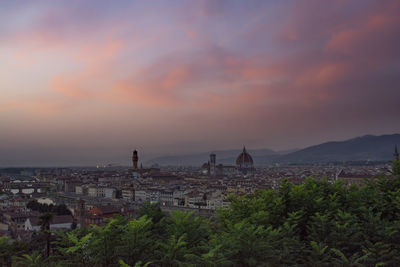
column 87, row 82
column 124, row 158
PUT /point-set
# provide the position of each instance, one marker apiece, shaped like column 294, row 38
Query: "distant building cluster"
column 244, row 166
column 94, row 194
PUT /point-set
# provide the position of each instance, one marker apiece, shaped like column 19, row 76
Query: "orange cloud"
column 154, row 86
column 321, row 75
column 69, row 87
column 370, row 31
column 127, row 92
column 87, row 82
column 175, row 77
column 192, row 34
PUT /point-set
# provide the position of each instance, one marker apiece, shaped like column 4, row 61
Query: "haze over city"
column 84, row 82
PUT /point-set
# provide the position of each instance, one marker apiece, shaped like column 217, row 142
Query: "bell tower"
column 212, row 165
column 135, row 159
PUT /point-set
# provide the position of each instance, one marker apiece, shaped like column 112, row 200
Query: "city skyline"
column 89, row 82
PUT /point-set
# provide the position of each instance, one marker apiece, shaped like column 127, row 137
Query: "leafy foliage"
column 45, row 221
column 10, row 248
column 313, row 224
column 34, row 260
column 396, row 167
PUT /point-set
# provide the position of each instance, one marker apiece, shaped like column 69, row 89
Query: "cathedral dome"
column 244, row 159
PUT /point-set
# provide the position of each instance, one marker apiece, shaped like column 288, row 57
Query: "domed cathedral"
column 244, row 162
column 244, row 166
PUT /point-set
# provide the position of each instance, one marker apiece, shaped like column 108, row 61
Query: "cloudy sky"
column 84, row 82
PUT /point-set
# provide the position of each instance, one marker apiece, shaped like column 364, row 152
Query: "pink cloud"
column 69, row 87
column 86, row 82
column 321, row 63
column 371, row 32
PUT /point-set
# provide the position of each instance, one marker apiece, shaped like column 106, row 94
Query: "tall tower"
column 212, row 164
column 135, row 159
column 395, row 154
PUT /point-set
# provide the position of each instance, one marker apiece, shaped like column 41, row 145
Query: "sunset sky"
column 86, row 82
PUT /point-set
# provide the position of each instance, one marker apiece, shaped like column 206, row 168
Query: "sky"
column 86, row 82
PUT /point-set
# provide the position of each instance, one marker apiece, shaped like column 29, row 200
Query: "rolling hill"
column 364, row 148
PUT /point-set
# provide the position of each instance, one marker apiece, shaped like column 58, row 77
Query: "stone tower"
column 212, row 165
column 135, row 159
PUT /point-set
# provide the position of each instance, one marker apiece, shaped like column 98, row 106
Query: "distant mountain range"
column 223, row 156
column 364, row 148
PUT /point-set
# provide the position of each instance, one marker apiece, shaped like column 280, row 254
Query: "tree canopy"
column 45, row 208
column 317, row 223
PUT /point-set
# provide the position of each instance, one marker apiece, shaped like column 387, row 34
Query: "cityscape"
column 199, row 133
column 94, row 194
